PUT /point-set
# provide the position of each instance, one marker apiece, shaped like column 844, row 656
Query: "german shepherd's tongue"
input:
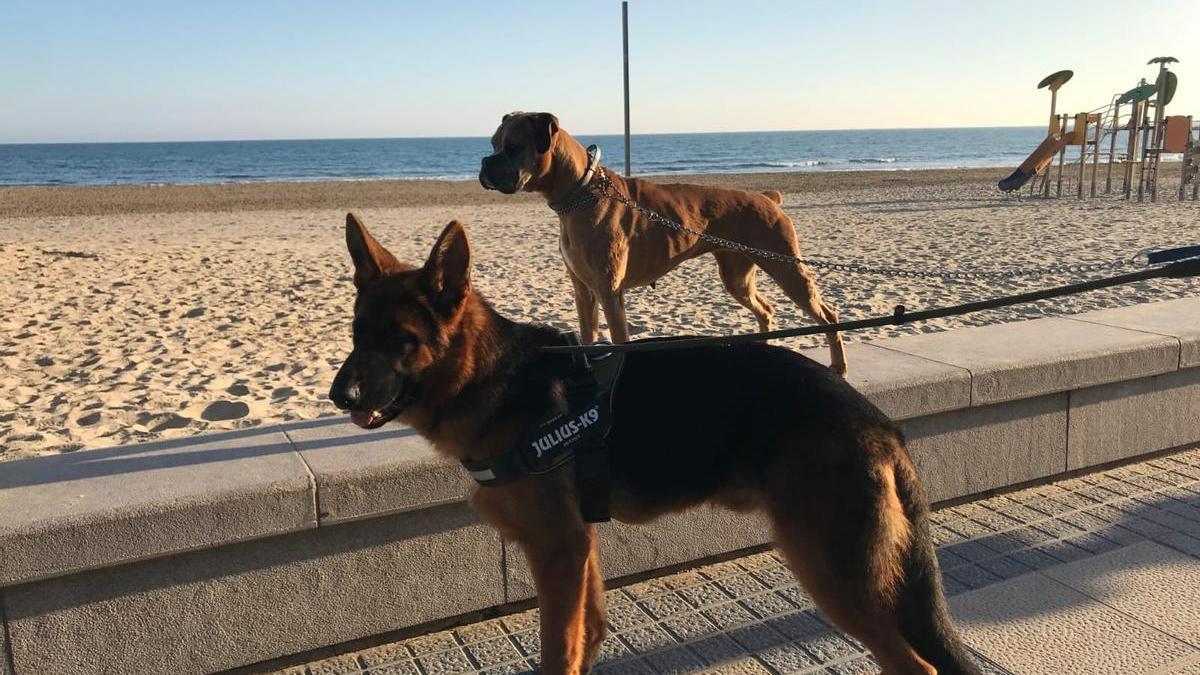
column 362, row 419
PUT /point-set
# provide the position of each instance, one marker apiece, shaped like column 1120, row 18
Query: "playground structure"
column 1149, row 133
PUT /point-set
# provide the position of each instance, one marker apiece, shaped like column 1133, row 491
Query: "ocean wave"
column 873, row 160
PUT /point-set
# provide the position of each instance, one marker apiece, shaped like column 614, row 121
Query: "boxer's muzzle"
column 498, row 172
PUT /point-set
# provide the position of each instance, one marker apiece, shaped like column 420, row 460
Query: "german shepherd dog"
column 753, row 427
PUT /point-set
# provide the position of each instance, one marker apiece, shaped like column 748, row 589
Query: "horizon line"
column 421, row 138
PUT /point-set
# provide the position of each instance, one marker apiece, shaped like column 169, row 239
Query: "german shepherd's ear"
column 448, row 270
column 371, row 259
column 545, row 126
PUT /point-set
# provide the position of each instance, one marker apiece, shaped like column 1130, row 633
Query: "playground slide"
column 1037, row 160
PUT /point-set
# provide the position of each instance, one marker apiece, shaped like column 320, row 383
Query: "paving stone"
column 626, row 666
column 434, row 642
column 1143, row 581
column 952, row 586
column 690, row 626
column 517, row 623
column 1034, row 559
column 529, row 642
column 385, row 654
column 972, row 551
column 863, row 665
column 1063, row 550
column 1049, row 506
column 338, row 665
column 644, row 639
column 973, row 576
column 507, row 669
column 757, row 636
column 1030, row 536
column 1001, row 543
column 623, row 617
column 723, row 569
column 728, row 615
column 1058, row 529
column 477, row 632
column 675, row 660
column 1004, row 568
column 741, row 585
column 796, row 596
column 775, row 577
column 446, row 663
column 799, row 624
column 967, row 527
column 766, row 605
column 1033, row 624
column 613, row 649
column 948, row 559
column 394, row 668
column 1022, row 514
column 788, row 658
column 493, row 652
column 828, row 647
column 742, row 666
column 663, row 606
column 717, row 648
column 1093, row 543
column 704, row 595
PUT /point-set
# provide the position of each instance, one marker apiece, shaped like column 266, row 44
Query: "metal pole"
column 625, row 39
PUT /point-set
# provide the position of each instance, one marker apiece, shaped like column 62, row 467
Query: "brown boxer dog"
column 609, row 247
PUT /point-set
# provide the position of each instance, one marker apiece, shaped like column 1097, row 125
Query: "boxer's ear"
column 545, row 126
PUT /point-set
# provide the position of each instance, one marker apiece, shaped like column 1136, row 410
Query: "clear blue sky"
column 166, row 70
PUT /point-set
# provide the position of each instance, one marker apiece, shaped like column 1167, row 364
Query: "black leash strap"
column 1183, row 268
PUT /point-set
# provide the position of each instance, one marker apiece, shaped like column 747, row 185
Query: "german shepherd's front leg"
column 595, row 621
column 559, row 562
column 542, row 517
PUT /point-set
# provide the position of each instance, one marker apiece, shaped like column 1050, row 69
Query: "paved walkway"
column 1098, row 574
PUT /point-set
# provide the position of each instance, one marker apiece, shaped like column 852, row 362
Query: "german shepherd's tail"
column 921, row 605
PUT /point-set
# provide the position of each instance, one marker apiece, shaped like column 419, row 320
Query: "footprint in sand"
column 155, row 422
column 220, row 411
column 237, row 389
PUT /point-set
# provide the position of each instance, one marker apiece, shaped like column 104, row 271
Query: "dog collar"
column 581, row 194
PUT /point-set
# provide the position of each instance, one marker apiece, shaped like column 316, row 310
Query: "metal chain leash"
column 607, row 191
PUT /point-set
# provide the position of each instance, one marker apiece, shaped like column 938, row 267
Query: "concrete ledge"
column 73, row 512
column 365, row 474
column 979, row 449
column 1044, row 356
column 220, row 608
column 1179, row 319
column 1127, row 419
column 213, row 552
column 902, row 385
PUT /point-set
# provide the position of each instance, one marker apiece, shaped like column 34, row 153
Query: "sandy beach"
column 132, row 313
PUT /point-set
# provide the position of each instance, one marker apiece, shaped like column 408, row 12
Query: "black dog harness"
column 578, row 434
